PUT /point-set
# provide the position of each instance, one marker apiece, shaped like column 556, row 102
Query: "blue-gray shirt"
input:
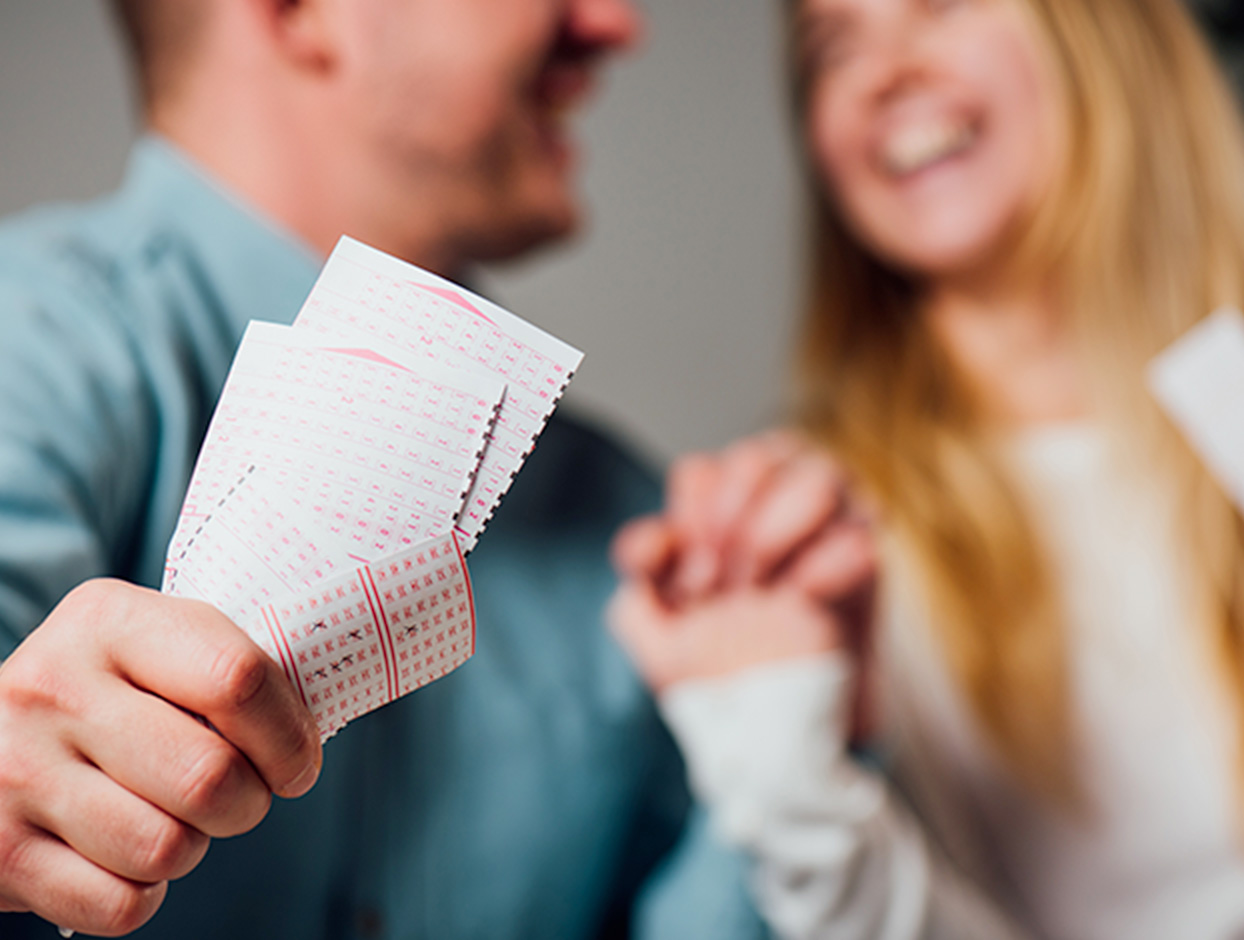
column 533, row 793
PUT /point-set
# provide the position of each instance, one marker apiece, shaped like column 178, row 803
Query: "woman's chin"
column 942, row 256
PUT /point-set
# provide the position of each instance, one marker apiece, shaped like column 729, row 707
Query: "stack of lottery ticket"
column 353, row 460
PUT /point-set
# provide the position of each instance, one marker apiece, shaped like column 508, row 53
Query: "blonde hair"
column 1144, row 236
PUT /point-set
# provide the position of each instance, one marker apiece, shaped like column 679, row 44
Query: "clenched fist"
column 112, row 783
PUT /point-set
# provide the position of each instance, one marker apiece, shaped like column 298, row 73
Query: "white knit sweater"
column 965, row 853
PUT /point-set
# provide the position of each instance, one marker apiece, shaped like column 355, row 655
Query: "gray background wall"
column 682, row 291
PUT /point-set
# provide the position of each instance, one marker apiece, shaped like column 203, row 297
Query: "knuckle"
column 90, row 594
column 769, row 526
column 17, row 772
column 98, row 600
column 29, row 684
column 238, row 675
column 126, row 908
column 165, row 848
column 16, row 844
column 211, row 780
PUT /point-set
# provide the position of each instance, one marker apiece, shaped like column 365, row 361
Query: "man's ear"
column 305, row 31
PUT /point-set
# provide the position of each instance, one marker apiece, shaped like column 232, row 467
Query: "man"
column 532, row 793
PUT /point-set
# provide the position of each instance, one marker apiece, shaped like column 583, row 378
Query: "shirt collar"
column 257, row 268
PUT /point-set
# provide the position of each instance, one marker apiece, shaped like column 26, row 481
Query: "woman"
column 1018, row 204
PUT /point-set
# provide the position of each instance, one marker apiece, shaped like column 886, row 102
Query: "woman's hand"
column 762, row 553
column 720, row 635
column 771, row 510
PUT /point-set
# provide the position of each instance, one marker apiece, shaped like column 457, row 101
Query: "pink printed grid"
column 364, row 639
column 260, row 545
column 445, row 326
column 384, row 454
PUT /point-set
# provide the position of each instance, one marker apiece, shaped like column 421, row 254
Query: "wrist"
column 754, row 739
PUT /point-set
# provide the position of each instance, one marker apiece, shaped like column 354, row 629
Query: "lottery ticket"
column 364, row 291
column 352, row 461
column 373, row 634
column 385, row 452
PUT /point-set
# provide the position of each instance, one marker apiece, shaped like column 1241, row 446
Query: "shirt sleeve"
column 72, row 459
column 834, row 854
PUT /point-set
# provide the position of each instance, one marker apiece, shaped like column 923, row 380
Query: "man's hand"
column 110, row 787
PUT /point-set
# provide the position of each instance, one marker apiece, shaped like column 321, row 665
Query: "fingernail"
column 304, row 782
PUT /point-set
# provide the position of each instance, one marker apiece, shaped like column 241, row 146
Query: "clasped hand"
column 762, row 553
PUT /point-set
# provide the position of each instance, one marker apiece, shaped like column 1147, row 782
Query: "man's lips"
column 560, row 87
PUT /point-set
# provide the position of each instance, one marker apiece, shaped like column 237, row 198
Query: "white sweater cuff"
column 759, row 739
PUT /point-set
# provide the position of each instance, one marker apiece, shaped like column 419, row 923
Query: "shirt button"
column 369, row 924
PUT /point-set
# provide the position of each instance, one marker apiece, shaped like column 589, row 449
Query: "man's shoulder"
column 66, row 252
column 62, row 290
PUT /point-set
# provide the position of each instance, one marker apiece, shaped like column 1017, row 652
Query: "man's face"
column 459, row 109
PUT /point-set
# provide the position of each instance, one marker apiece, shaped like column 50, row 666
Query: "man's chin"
column 527, row 236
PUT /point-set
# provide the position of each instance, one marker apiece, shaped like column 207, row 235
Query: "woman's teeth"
column 918, row 146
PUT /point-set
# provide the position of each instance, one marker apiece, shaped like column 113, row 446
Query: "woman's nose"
column 896, row 61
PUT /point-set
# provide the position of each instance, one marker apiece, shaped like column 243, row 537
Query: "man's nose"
column 605, row 25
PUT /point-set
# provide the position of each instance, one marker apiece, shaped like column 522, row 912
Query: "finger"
column 189, row 654
column 728, row 633
column 796, row 508
column 645, row 548
column 636, row 613
column 173, row 761
column 641, row 623
column 837, row 566
column 45, row 876
column 746, row 469
column 112, row 827
column 691, row 494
